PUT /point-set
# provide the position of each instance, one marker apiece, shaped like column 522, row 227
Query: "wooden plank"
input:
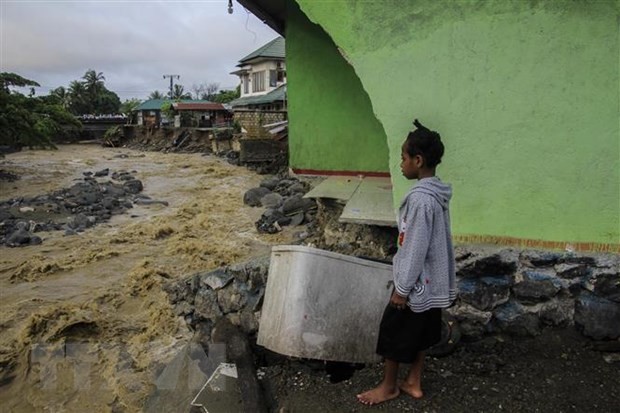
column 371, row 204
column 335, row 187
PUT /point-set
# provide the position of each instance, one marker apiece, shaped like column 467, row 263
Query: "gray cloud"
column 132, row 42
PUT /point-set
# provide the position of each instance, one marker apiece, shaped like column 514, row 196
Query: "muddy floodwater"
column 84, row 322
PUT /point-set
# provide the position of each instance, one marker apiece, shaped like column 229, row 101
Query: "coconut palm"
column 62, row 96
column 156, row 94
column 93, row 81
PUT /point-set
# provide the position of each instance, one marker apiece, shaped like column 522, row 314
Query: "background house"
column 149, row 112
column 525, row 95
column 262, row 76
column 202, row 114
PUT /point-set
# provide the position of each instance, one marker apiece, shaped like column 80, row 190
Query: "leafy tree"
column 28, row 120
column 156, row 94
column 225, row 96
column 61, row 96
column 90, row 96
column 129, row 105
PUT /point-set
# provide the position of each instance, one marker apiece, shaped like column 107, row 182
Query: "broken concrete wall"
column 332, row 126
column 524, row 95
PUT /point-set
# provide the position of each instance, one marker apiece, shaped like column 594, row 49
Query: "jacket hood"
column 433, row 186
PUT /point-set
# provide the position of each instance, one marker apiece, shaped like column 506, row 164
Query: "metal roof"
column 275, row 95
column 204, row 105
column 274, row 49
column 152, row 104
column 156, row 104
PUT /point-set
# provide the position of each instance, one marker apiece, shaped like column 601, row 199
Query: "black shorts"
column 403, row 333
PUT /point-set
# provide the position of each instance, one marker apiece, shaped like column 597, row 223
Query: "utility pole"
column 171, row 79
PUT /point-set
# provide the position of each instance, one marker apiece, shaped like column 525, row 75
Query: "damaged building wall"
column 525, row 95
column 332, row 126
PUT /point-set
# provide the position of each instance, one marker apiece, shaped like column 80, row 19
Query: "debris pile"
column 284, row 204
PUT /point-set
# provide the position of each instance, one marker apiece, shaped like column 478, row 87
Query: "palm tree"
column 156, row 94
column 78, row 98
column 62, row 96
column 179, row 93
column 93, row 81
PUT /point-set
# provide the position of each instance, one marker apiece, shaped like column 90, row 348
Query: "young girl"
column 424, row 270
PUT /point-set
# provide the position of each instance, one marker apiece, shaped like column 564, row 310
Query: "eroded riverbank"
column 98, row 294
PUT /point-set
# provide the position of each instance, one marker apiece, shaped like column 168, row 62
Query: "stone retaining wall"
column 253, row 120
column 501, row 290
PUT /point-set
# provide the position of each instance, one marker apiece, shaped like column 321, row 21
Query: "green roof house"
column 262, row 76
column 524, row 93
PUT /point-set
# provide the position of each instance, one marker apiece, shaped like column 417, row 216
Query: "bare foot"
column 378, row 395
column 412, row 390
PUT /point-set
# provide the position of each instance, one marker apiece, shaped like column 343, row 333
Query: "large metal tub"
column 323, row 305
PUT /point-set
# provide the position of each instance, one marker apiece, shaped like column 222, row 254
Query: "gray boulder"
column 597, row 317
column 536, row 286
column 484, row 293
column 513, row 318
column 253, row 196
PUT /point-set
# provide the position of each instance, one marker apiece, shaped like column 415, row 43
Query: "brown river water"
column 84, row 322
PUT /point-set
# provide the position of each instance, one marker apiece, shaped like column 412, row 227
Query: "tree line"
column 40, row 121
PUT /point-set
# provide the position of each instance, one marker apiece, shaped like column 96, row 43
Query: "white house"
column 262, row 76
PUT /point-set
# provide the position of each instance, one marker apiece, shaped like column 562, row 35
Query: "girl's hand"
column 398, row 301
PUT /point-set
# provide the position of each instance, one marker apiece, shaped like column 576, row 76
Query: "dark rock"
column 253, row 196
column 566, row 270
column 133, row 186
column 473, row 323
column 513, row 318
column 296, row 204
column 206, row 305
column 597, row 317
column 217, row 279
column 253, row 272
column 557, row 312
column 270, row 183
column 537, row 286
column 572, row 258
column 297, row 188
column 103, row 172
column 540, row 258
column 232, row 298
column 297, row 219
column 484, row 293
column 496, row 264
column 272, row 200
column 605, row 283
column 248, row 322
column 180, row 291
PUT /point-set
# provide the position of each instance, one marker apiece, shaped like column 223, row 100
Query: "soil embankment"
column 85, row 322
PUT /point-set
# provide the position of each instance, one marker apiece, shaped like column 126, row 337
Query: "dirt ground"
column 558, row 371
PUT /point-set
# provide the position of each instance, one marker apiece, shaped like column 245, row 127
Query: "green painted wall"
column 524, row 93
column 332, row 125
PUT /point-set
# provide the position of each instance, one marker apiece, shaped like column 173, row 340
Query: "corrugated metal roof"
column 156, row 104
column 273, row 49
column 197, row 106
column 273, row 96
column 152, row 104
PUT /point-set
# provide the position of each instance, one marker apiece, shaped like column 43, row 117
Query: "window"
column 246, row 84
column 258, row 81
column 281, row 75
column 273, row 79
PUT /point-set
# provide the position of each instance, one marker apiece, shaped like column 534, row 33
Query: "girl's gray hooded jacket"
column 424, row 268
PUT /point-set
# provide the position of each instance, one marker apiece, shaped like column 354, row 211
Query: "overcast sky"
column 134, row 43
